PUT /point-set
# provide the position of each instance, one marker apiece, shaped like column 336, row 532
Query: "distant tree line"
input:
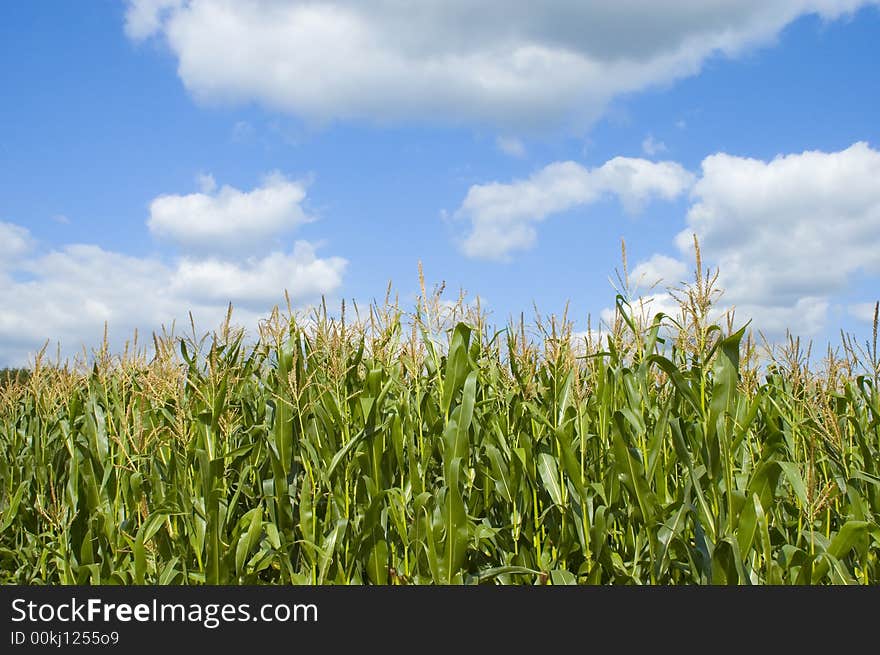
column 9, row 375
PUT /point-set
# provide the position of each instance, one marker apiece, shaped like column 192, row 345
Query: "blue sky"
column 162, row 156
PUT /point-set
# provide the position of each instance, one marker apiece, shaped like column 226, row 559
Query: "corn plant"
column 432, row 448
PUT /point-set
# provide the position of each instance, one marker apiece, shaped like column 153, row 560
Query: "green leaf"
column 847, row 537
column 549, row 472
column 792, row 473
column 146, row 532
column 377, row 565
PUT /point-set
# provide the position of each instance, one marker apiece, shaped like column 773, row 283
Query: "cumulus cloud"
column 499, row 62
column 651, row 146
column 864, row 311
column 645, row 307
column 799, row 224
column 144, row 17
column 657, row 270
column 503, row 216
column 15, row 241
column 787, row 234
column 227, row 218
column 67, row 294
column 257, row 281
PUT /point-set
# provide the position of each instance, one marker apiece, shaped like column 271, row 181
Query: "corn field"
column 428, row 447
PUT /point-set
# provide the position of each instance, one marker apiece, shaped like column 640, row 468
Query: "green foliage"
column 9, row 376
column 402, row 450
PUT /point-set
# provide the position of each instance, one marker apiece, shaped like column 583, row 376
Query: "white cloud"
column 15, row 241
column 503, row 216
column 787, row 234
column 511, row 146
column 144, row 17
column 645, row 307
column 864, row 311
column 637, row 181
column 258, row 281
column 528, row 64
column 651, row 146
column 226, row 218
column 68, row 294
column 804, row 316
column 659, row 270
column 798, row 225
